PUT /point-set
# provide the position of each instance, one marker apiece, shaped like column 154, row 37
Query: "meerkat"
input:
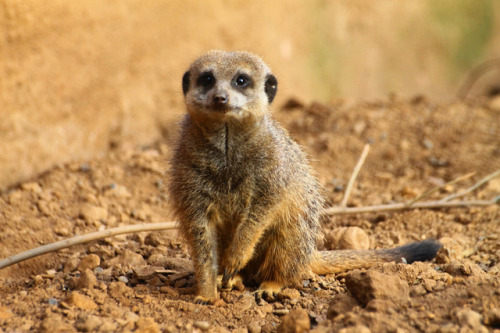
column 245, row 196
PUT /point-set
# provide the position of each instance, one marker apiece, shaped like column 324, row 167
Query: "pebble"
column 52, row 301
column 90, row 261
column 91, row 213
column 289, row 293
column 492, row 318
column 202, row 325
column 127, row 258
column 356, row 329
column 147, row 325
column 118, row 191
column 86, row 280
column 71, row 265
column 341, row 303
column 346, row 238
column 123, row 279
column 463, row 268
column 472, row 320
column 119, row 290
column 371, row 284
column 89, row 323
column 55, row 323
column 80, row 301
column 296, row 321
column 281, row 312
column 254, row 327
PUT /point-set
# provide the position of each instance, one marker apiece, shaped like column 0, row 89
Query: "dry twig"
column 355, row 172
column 437, row 188
column 404, row 206
column 473, row 187
column 84, row 239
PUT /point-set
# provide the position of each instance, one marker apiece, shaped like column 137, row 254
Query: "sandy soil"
column 110, row 285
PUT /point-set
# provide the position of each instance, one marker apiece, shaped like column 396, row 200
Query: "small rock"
column 340, row 304
column 472, row 320
column 355, row 329
column 153, row 239
column 169, row 291
column 347, row 238
column 123, row 279
column 91, row 213
column 146, row 325
column 281, row 312
column 295, row 322
column 429, row 284
column 117, row 191
column 380, row 305
column 365, row 286
column 427, row 144
column 492, row 318
column 86, row 280
column 54, row 323
column 288, row 293
column 71, row 265
column 89, row 262
column 5, row 313
column 254, row 327
column 52, row 301
column 118, row 290
column 202, row 325
column 454, row 248
column 463, row 268
column 127, row 258
column 108, row 325
column 88, row 323
column 80, row 301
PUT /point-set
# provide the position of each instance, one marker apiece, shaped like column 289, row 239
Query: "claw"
column 265, row 295
column 202, row 300
column 227, row 276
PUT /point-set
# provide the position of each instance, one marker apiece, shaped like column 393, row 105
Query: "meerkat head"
column 222, row 85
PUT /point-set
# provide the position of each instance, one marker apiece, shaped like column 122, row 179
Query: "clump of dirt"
column 144, row 282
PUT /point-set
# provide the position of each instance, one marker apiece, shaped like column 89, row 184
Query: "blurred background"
column 78, row 78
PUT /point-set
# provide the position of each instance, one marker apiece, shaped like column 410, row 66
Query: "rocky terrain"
column 144, row 282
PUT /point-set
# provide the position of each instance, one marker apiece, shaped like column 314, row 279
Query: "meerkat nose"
column 221, row 98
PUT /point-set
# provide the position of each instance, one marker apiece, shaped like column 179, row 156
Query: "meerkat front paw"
column 235, row 282
column 204, row 300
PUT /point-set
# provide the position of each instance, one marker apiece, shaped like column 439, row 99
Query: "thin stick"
column 437, row 188
column 473, row 187
column 84, row 239
column 404, row 206
column 355, row 172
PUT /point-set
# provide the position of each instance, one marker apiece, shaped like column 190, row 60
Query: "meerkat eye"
column 206, row 80
column 242, row 80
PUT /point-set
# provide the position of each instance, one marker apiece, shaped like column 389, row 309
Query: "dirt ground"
column 111, row 285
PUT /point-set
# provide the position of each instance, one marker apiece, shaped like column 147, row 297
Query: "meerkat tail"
column 328, row 262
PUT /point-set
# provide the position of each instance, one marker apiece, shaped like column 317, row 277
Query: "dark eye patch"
column 206, row 80
column 242, row 81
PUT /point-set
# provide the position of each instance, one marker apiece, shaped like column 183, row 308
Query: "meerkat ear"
column 271, row 87
column 185, row 83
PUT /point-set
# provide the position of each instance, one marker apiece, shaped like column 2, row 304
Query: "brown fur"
column 242, row 189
